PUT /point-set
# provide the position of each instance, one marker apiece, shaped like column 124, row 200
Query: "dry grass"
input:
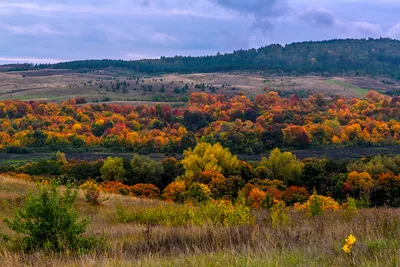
column 62, row 85
column 305, row 241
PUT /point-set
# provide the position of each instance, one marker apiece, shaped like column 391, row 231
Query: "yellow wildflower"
column 350, row 240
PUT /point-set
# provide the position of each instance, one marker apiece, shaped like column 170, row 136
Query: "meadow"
column 303, row 241
column 133, row 88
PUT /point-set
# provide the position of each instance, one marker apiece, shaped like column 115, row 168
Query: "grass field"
column 305, row 241
column 134, row 89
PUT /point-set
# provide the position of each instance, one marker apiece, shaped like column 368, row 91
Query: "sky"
column 49, row 31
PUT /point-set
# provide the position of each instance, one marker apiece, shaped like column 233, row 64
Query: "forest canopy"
column 349, row 56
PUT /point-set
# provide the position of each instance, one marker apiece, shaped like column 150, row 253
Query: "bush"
column 174, row 192
column 279, row 214
column 43, row 167
column 315, row 207
column 349, row 209
column 82, row 170
column 295, row 194
column 92, row 193
column 256, row 198
column 218, row 213
column 17, row 150
column 317, row 204
column 198, row 193
column 145, row 191
column 48, row 220
column 116, row 188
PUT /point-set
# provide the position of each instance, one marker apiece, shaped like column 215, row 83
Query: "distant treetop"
column 339, row 56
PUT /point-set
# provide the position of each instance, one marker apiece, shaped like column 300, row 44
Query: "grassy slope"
column 305, row 242
column 358, row 91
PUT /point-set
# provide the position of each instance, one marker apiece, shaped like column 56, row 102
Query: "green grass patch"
column 355, row 88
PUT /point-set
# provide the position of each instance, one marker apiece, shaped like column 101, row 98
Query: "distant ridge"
column 340, row 56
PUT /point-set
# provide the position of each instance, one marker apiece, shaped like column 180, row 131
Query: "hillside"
column 351, row 56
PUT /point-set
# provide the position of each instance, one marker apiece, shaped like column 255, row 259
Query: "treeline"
column 351, row 56
column 211, row 172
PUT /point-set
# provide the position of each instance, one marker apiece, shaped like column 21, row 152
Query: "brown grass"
column 306, row 241
column 61, row 85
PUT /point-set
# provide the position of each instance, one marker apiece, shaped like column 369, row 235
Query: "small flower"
column 349, row 242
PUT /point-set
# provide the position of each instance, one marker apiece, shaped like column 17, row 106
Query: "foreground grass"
column 305, row 241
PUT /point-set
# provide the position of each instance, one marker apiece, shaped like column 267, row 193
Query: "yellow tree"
column 359, row 181
column 282, row 166
column 207, row 157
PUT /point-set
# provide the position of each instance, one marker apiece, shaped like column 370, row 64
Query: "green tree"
column 146, row 170
column 282, row 166
column 113, row 169
column 314, row 175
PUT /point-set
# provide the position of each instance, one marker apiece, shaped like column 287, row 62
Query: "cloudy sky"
column 59, row 30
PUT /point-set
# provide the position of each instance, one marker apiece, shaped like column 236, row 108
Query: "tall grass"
column 146, row 240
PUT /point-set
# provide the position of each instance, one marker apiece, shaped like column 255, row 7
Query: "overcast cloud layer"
column 58, row 30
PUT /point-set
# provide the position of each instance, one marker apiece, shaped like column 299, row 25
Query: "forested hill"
column 352, row 56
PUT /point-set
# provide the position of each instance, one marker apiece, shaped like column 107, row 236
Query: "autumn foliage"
column 238, row 123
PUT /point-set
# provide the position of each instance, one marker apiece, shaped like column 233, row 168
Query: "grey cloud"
column 262, row 10
column 318, row 17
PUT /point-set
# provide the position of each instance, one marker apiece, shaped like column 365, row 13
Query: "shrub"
column 256, row 198
column 198, row 193
column 175, row 192
column 17, row 150
column 317, row 204
column 22, row 176
column 48, row 220
column 359, row 181
column 224, row 213
column 387, row 190
column 205, row 177
column 43, row 167
column 113, row 169
column 92, row 193
column 279, row 214
column 145, row 191
column 116, row 188
column 261, row 184
column 315, row 207
column 295, row 194
column 82, row 170
column 217, row 213
column 349, row 209
column 61, row 158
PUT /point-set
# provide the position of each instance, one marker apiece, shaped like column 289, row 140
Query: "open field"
column 305, row 241
column 126, row 88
